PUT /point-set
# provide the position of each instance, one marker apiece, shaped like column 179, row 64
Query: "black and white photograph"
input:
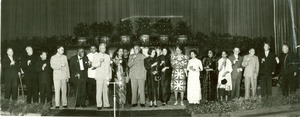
column 150, row 58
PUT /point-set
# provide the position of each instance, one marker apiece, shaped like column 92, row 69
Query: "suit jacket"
column 251, row 66
column 235, row 66
column 103, row 70
column 269, row 65
column 10, row 71
column 75, row 66
column 29, row 69
column 60, row 72
column 136, row 66
column 44, row 75
column 287, row 63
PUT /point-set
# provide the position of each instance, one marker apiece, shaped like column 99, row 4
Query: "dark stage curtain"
column 253, row 18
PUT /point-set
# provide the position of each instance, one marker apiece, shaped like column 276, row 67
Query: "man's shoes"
column 164, row 104
column 133, row 105
column 99, row 108
column 83, row 106
column 142, row 105
column 108, row 107
column 155, row 105
column 66, row 107
column 56, row 107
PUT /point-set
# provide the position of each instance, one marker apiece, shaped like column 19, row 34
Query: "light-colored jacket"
column 60, row 72
column 103, row 69
column 251, row 65
column 136, row 67
column 91, row 72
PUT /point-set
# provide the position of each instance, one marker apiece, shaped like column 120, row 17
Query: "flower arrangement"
column 182, row 28
column 163, row 27
column 125, row 27
column 106, row 28
column 143, row 26
column 81, row 30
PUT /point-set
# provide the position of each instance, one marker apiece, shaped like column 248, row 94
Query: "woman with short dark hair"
column 210, row 79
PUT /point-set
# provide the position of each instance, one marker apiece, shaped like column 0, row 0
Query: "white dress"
column 222, row 69
column 193, row 85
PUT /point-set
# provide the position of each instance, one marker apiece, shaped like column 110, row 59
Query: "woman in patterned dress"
column 119, row 75
column 178, row 82
column 210, row 77
column 224, row 80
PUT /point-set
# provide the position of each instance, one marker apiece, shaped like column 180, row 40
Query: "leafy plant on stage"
column 81, row 30
column 125, row 27
column 182, row 28
column 106, row 28
column 163, row 27
column 143, row 26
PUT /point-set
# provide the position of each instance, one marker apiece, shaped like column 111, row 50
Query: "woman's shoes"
column 176, row 102
column 151, row 104
column 155, row 103
column 182, row 103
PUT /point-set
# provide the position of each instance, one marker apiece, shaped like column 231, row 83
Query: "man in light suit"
column 137, row 75
column 236, row 74
column 101, row 62
column 61, row 75
column 78, row 68
column 251, row 64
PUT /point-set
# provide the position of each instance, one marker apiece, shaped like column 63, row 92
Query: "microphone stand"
column 114, row 83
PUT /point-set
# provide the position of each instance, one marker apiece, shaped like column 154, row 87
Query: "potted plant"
column 143, row 29
column 106, row 30
column 182, row 30
column 81, row 31
column 163, row 27
column 124, row 28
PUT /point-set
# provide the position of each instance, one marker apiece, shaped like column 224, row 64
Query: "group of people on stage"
column 157, row 75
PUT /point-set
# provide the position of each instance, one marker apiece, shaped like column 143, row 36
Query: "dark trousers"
column 45, row 91
column 165, row 87
column 80, row 88
column 266, row 85
column 289, row 84
column 91, row 90
column 152, row 86
column 11, row 88
column 128, row 92
column 32, row 89
column 236, row 84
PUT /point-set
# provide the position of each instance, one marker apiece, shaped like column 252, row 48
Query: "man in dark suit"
column 31, row 81
column 267, row 69
column 11, row 72
column 44, row 76
column 236, row 74
column 288, row 71
column 78, row 68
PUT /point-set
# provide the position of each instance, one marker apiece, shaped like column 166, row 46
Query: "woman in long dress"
column 224, row 81
column 210, row 77
column 178, row 82
column 151, row 64
column 165, row 74
column 194, row 88
column 119, row 75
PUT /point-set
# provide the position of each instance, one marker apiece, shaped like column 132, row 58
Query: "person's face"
column 178, row 51
column 285, row 49
column 266, row 47
column 43, row 56
column 193, row 55
column 126, row 52
column 60, row 50
column 251, row 51
column 158, row 51
column 164, row 52
column 224, row 55
column 93, row 49
column 81, row 52
column 10, row 52
column 236, row 51
column 120, row 52
column 136, row 49
column 102, row 48
column 152, row 53
column 210, row 53
column 29, row 51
